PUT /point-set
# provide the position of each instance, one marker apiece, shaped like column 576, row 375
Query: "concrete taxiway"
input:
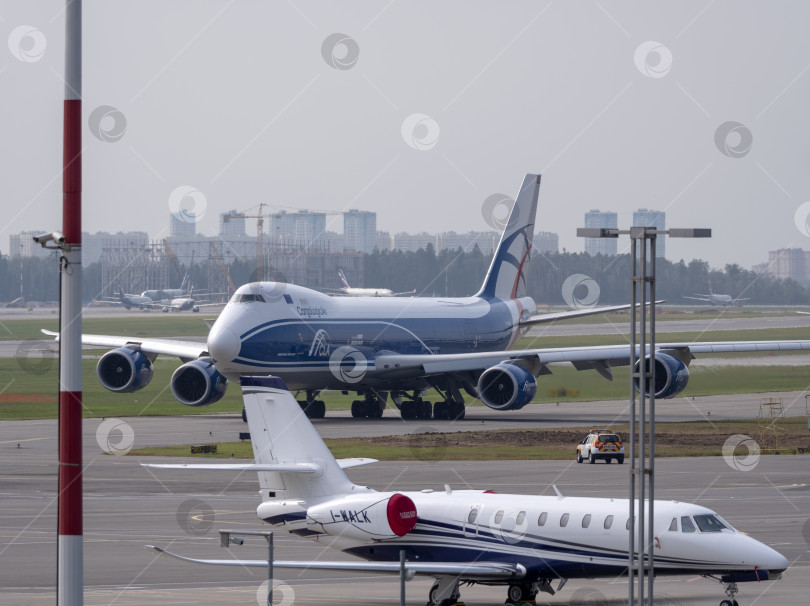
column 128, row 506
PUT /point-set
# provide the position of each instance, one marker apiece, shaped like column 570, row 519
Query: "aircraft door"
column 472, row 520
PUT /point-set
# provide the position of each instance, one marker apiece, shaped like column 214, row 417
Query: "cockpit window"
column 247, row 298
column 687, row 525
column 709, row 523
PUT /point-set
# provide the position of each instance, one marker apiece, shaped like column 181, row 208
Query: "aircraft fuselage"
column 293, row 332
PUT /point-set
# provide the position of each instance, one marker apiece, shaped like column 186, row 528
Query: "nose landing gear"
column 731, row 589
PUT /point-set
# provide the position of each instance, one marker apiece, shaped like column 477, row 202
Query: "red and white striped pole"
column 70, row 558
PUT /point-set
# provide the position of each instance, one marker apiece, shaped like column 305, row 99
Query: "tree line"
column 455, row 273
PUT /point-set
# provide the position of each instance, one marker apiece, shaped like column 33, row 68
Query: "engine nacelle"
column 506, row 387
column 198, row 383
column 671, row 376
column 123, row 370
column 368, row 516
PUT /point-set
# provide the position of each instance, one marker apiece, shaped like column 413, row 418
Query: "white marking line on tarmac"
column 26, row 440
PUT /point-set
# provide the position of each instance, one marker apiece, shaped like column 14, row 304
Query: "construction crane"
column 222, row 266
column 172, row 257
column 259, row 236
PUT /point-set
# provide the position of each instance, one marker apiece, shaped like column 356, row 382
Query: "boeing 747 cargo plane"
column 390, row 347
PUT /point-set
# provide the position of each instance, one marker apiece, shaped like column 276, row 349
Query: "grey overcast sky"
column 425, row 109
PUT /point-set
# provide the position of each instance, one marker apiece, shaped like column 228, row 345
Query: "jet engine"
column 506, row 387
column 365, row 516
column 198, row 383
column 123, row 370
column 671, row 376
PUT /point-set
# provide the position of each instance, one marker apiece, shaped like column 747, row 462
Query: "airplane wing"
column 474, row 570
column 706, row 298
column 185, row 350
column 291, row 468
column 287, row 468
column 599, row 358
column 575, row 313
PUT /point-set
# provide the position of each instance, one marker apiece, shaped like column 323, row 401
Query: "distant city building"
column 792, row 263
column 183, row 225
column 303, row 228
column 231, row 226
column 413, row 242
column 93, row 245
column 601, row 246
column 450, row 240
column 383, row 241
column 333, row 241
column 23, row 245
column 645, row 217
column 359, row 230
column 545, row 242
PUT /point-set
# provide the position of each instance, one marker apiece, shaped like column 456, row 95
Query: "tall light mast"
column 70, row 558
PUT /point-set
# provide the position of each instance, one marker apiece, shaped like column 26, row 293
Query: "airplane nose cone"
column 223, row 344
column 776, row 562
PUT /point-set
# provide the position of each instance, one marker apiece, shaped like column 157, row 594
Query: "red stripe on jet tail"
column 520, row 270
column 70, row 463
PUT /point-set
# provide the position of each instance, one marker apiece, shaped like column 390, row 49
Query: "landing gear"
column 416, row 409
column 314, row 409
column 370, row 408
column 448, row 410
column 731, row 589
column 521, row 594
column 444, row 593
column 452, row 408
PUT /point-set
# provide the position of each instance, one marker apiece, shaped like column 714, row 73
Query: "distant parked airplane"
column 169, row 293
column 368, row 292
column 185, row 303
column 129, row 301
column 713, row 299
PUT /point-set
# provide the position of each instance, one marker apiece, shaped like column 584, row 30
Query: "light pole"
column 642, row 380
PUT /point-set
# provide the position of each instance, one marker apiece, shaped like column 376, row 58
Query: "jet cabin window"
column 499, row 516
column 608, row 522
column 520, row 517
column 541, row 521
column 472, row 516
column 687, row 525
column 586, row 521
column 564, row 519
column 709, row 523
column 247, row 298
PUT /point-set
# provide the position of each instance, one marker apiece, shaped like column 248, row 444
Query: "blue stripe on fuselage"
column 308, row 340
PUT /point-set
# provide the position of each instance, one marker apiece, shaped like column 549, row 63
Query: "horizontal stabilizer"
column 355, row 462
column 476, row 570
column 576, row 313
column 287, row 468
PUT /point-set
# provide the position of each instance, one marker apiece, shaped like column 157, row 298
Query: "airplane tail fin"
column 282, row 436
column 343, row 280
column 505, row 278
column 710, row 288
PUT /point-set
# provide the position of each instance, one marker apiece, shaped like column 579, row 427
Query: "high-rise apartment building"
column 601, row 246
